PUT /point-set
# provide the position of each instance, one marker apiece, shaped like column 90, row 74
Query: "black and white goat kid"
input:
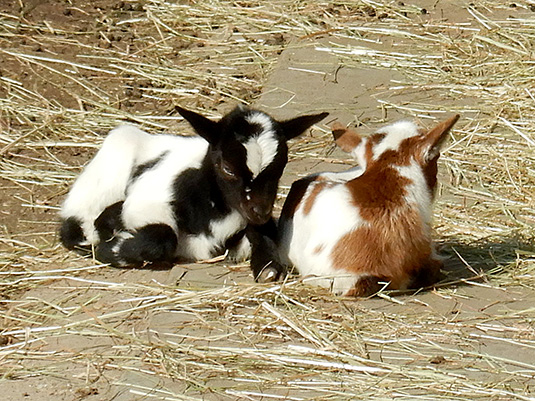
column 161, row 198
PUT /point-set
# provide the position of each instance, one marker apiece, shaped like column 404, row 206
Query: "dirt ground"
column 73, row 329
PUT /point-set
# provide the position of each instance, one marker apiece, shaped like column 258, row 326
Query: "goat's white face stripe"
column 395, row 134
column 261, row 149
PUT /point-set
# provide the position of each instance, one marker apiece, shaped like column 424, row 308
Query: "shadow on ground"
column 476, row 260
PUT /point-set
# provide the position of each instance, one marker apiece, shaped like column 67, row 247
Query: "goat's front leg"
column 153, row 243
column 265, row 260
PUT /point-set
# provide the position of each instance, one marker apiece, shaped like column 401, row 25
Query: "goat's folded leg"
column 367, row 286
column 265, row 260
column 239, row 248
column 428, row 273
column 153, row 243
column 109, row 222
column 72, row 236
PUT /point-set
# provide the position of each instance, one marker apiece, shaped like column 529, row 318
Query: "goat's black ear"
column 296, row 126
column 205, row 127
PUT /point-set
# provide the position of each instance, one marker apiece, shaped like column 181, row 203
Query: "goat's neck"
column 215, row 193
column 379, row 187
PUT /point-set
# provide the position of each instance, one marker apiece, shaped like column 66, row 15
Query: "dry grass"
column 73, row 319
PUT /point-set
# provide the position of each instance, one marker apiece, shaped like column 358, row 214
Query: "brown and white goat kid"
column 357, row 230
column 165, row 198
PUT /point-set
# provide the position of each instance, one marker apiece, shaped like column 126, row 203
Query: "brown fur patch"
column 367, row 286
column 347, row 139
column 318, row 186
column 376, row 138
column 427, row 275
column 430, row 170
column 378, row 190
column 319, row 249
column 395, row 247
column 368, row 153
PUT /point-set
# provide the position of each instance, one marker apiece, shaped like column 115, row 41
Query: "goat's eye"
column 227, row 172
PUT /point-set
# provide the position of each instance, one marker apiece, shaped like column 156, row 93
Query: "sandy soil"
column 74, row 366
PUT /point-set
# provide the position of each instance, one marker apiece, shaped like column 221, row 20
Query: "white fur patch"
column 261, row 149
column 103, row 181
column 308, row 240
column 148, row 200
column 203, row 246
column 395, row 134
column 121, row 237
column 359, row 153
column 259, row 118
column 418, row 194
column 240, row 252
column 343, row 176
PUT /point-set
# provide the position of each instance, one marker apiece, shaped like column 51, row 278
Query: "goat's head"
column 398, row 144
column 248, row 152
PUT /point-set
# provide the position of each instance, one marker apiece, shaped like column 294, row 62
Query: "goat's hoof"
column 268, row 275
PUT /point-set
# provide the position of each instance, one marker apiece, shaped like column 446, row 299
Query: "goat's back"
column 328, row 235
column 357, row 230
column 126, row 163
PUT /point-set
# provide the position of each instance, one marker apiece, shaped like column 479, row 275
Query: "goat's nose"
column 261, row 213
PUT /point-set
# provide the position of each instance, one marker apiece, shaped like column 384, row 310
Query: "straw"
column 72, row 320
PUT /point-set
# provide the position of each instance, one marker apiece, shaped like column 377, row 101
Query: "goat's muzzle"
column 257, row 213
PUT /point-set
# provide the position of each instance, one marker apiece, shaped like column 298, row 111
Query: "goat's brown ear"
column 435, row 138
column 347, row 139
column 296, row 126
column 205, row 127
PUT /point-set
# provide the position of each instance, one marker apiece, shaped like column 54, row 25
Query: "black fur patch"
column 71, row 234
column 264, row 251
column 198, row 200
column 154, row 243
column 109, row 221
column 234, row 240
column 236, row 125
column 295, row 196
column 142, row 168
